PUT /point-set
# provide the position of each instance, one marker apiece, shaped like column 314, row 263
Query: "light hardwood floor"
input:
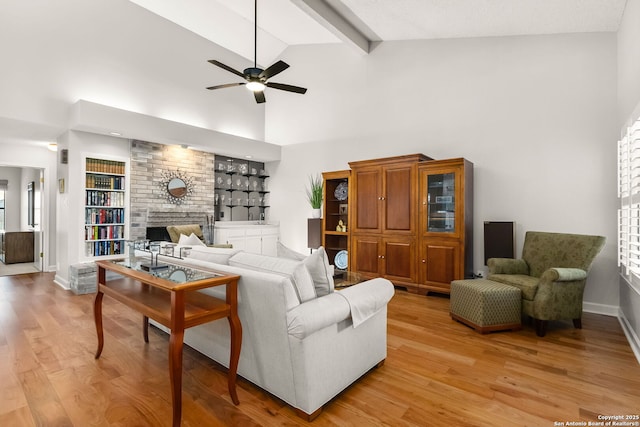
column 437, row 373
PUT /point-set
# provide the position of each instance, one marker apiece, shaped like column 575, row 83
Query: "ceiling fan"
column 256, row 78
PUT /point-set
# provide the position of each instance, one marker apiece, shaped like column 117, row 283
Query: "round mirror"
column 177, row 188
column 178, row 276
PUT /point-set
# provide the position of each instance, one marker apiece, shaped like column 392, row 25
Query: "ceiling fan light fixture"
column 257, row 78
column 255, row 86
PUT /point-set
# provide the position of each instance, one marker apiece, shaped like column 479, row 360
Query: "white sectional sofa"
column 303, row 345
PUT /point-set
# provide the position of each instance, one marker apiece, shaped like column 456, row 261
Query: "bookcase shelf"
column 105, row 208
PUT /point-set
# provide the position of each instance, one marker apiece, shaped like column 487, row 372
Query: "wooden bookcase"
column 336, row 209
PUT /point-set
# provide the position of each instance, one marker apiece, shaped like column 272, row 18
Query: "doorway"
column 22, row 218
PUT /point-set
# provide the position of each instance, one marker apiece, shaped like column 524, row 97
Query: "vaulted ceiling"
column 149, row 56
column 283, row 23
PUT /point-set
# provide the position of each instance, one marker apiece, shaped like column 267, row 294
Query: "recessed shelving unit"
column 240, row 183
column 105, row 215
column 336, row 213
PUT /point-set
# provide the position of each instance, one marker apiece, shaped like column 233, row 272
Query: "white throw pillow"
column 191, row 240
column 295, row 270
column 285, row 252
column 318, row 265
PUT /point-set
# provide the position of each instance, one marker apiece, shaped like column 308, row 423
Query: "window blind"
column 629, row 198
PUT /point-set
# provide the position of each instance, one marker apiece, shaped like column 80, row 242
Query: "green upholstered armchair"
column 551, row 275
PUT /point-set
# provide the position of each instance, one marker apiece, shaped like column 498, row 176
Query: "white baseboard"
column 607, row 310
column 611, row 310
column 634, row 340
column 62, row 282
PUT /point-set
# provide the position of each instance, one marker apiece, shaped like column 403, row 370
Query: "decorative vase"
column 316, row 213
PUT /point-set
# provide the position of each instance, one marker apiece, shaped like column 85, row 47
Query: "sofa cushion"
column 285, row 252
column 215, row 255
column 527, row 284
column 176, row 230
column 295, row 270
column 191, row 240
column 318, row 265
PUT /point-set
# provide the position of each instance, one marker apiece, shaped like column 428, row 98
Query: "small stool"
column 485, row 305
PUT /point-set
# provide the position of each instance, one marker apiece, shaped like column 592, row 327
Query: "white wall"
column 115, row 53
column 536, row 116
column 12, row 197
column 70, row 224
column 628, row 109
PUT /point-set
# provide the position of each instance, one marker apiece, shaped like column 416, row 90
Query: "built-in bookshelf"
column 104, row 207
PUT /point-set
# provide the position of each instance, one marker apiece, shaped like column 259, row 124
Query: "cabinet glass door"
column 441, row 203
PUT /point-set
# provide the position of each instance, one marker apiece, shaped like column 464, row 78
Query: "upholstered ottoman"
column 485, row 305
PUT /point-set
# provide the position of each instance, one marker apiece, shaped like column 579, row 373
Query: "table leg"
column 234, row 357
column 97, row 310
column 97, row 315
column 176, row 341
column 236, row 339
column 145, row 328
column 175, row 374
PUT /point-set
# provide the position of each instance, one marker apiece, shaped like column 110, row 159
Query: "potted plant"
column 314, row 195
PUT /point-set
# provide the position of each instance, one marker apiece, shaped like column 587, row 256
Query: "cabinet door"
column 440, row 263
column 367, row 185
column 270, row 244
column 366, row 254
column 252, row 244
column 399, row 259
column 398, row 199
column 441, row 204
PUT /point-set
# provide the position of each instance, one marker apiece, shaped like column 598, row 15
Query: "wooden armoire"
column 411, row 220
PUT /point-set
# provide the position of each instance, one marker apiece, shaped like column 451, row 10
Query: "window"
column 629, row 198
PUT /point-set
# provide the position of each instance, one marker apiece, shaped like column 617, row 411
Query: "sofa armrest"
column 317, row 314
column 563, row 275
column 367, row 298
column 359, row 302
column 507, row 266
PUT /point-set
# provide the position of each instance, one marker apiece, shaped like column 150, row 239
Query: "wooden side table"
column 168, row 296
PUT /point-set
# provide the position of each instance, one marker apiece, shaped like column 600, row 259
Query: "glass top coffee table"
column 344, row 279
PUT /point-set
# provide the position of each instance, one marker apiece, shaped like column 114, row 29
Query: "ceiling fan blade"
column 226, row 85
column 276, row 68
column 259, row 96
column 288, row 88
column 226, row 67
